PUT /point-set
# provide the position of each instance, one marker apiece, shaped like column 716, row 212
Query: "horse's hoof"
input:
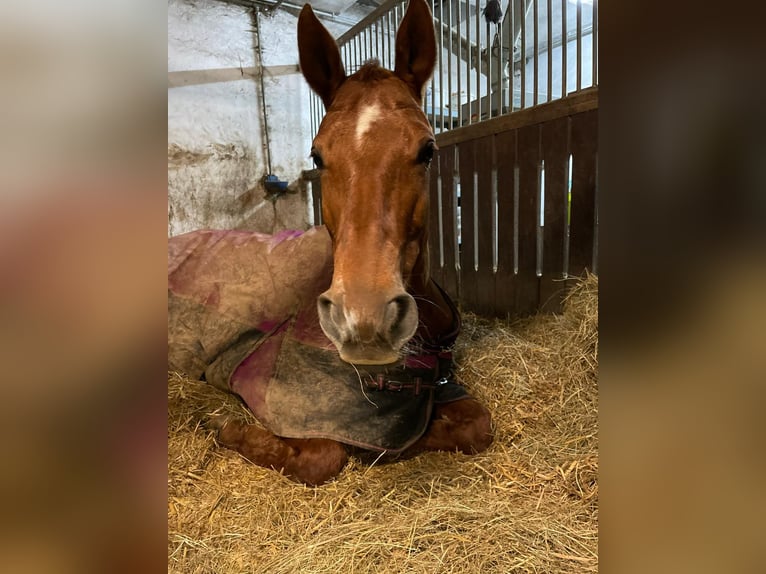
column 217, row 422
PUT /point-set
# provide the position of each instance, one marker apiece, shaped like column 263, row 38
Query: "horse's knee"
column 478, row 431
column 315, row 460
column 256, row 444
column 464, row 425
column 310, row 461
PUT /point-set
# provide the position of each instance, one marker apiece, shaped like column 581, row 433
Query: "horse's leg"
column 312, row 461
column 464, row 425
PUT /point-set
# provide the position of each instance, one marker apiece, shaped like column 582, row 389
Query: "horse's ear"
column 416, row 47
column 319, row 56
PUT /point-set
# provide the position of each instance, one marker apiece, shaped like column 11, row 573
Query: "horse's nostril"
column 325, row 303
column 397, row 309
column 329, row 310
column 331, row 319
column 401, row 318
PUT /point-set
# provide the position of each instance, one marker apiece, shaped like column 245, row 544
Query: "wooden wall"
column 506, row 262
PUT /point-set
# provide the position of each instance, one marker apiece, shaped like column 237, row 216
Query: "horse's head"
column 373, row 149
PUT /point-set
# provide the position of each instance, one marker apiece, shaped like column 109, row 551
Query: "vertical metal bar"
column 441, row 67
column 379, row 38
column 579, row 46
column 564, row 44
column 536, row 64
column 392, row 27
column 352, row 47
column 433, row 82
column 392, row 38
column 478, row 63
column 511, row 58
column 311, row 112
column 449, row 65
column 387, row 36
column 370, row 46
column 468, row 60
column 349, row 56
column 359, row 49
column 347, row 46
column 314, row 114
column 320, row 111
column 523, row 60
column 459, row 67
column 489, row 71
column 549, row 18
column 383, row 41
column 594, row 50
column 374, row 40
column 358, row 46
column 500, row 70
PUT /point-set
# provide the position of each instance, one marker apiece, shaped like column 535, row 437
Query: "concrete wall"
column 217, row 152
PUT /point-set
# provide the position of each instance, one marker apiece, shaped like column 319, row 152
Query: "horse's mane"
column 371, row 71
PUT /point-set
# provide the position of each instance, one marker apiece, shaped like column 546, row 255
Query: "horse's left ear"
column 319, row 56
column 416, row 47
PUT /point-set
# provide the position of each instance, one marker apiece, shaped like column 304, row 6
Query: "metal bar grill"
column 478, row 67
column 539, row 51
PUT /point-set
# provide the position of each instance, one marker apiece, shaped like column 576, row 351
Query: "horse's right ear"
column 319, row 56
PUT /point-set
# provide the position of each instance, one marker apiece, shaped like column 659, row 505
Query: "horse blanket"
column 242, row 315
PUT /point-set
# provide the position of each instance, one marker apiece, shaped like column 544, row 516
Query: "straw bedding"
column 528, row 504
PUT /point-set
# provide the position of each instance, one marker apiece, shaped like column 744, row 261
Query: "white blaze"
column 368, row 116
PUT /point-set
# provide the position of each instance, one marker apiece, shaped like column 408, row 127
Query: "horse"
column 373, row 150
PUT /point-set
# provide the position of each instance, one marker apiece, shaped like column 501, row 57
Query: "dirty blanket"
column 242, row 315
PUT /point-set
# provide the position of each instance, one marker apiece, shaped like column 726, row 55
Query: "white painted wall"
column 216, row 142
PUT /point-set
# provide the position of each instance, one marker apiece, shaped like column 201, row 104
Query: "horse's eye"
column 426, row 153
column 318, row 162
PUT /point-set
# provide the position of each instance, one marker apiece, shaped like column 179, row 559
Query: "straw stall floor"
column 528, row 504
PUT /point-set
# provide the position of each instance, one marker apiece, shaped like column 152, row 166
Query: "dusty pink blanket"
column 242, row 315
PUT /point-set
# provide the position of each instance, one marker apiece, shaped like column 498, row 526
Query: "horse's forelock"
column 371, row 71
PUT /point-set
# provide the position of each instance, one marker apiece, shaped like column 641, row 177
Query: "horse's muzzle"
column 365, row 331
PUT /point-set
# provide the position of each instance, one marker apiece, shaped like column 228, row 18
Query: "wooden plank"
column 584, row 144
column 181, row 78
column 467, row 166
column 449, row 222
column 527, row 291
column 485, row 275
column 505, row 279
column 582, row 101
column 555, row 146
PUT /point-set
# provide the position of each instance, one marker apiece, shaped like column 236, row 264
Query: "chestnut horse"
column 373, row 151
